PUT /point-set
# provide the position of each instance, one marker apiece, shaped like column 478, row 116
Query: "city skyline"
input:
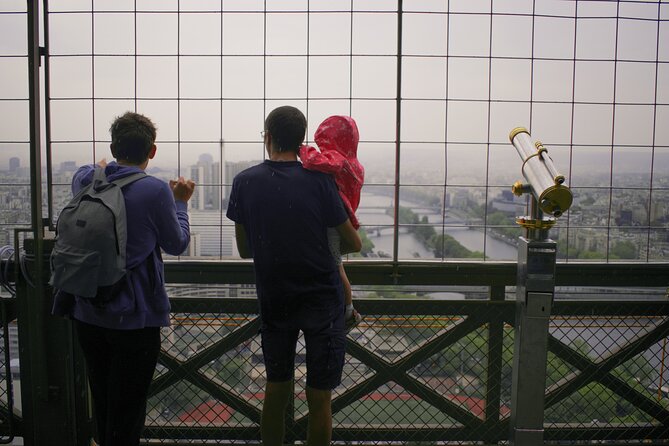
column 599, row 224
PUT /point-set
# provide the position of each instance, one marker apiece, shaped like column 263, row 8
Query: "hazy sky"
column 211, row 70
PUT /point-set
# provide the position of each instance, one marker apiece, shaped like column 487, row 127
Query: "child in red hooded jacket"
column 337, row 138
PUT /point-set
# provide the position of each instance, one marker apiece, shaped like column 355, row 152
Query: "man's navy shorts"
column 325, row 342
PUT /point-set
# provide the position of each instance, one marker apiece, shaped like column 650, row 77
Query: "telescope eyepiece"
column 517, row 131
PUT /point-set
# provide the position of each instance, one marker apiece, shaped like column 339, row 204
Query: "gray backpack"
column 88, row 259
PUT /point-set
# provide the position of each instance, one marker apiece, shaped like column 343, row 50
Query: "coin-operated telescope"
column 550, row 196
column 535, row 289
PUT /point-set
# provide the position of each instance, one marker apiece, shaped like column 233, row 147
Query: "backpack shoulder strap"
column 99, row 181
column 129, row 179
column 99, row 175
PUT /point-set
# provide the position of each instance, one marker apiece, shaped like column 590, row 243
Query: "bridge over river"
column 375, row 218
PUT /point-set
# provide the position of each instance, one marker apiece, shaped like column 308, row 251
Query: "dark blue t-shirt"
column 286, row 210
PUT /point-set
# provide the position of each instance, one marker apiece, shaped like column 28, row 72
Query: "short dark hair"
column 132, row 135
column 287, row 125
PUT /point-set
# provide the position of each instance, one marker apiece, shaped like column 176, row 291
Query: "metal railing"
column 421, row 367
column 406, row 379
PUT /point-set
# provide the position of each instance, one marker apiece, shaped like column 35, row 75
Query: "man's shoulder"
column 320, row 177
column 250, row 171
column 152, row 186
column 146, row 180
column 151, row 181
column 297, row 171
column 147, row 189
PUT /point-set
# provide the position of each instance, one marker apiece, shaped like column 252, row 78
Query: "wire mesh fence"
column 606, row 373
column 435, row 88
column 9, row 371
column 427, row 364
column 5, row 389
column 421, row 371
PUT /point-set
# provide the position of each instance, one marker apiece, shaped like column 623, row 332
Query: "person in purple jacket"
column 121, row 340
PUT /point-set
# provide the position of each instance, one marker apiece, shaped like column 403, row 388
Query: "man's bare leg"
column 277, row 396
column 319, row 429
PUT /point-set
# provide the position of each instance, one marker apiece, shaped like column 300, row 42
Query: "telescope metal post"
column 535, row 287
column 534, row 298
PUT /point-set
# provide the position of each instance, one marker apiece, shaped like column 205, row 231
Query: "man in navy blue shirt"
column 281, row 213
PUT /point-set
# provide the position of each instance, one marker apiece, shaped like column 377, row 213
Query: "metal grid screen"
column 14, row 127
column 434, row 86
column 14, row 190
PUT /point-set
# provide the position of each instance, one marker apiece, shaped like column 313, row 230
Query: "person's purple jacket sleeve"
column 172, row 223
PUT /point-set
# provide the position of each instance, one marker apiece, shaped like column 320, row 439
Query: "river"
column 372, row 215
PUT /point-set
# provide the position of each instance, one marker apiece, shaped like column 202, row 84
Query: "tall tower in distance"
column 14, row 164
column 207, row 175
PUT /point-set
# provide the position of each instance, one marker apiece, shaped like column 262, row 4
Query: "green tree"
column 367, row 244
column 591, row 402
column 589, row 255
column 423, row 233
column 444, row 245
column 624, row 250
column 499, row 218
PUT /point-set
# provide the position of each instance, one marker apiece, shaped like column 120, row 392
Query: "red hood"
column 338, row 133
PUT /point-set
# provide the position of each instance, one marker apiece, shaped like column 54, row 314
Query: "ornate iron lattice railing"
column 431, row 361
column 419, row 369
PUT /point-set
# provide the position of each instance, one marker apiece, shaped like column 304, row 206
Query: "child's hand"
column 302, row 152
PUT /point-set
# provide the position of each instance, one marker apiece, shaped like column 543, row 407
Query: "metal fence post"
column 534, row 298
column 53, row 385
column 494, row 354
